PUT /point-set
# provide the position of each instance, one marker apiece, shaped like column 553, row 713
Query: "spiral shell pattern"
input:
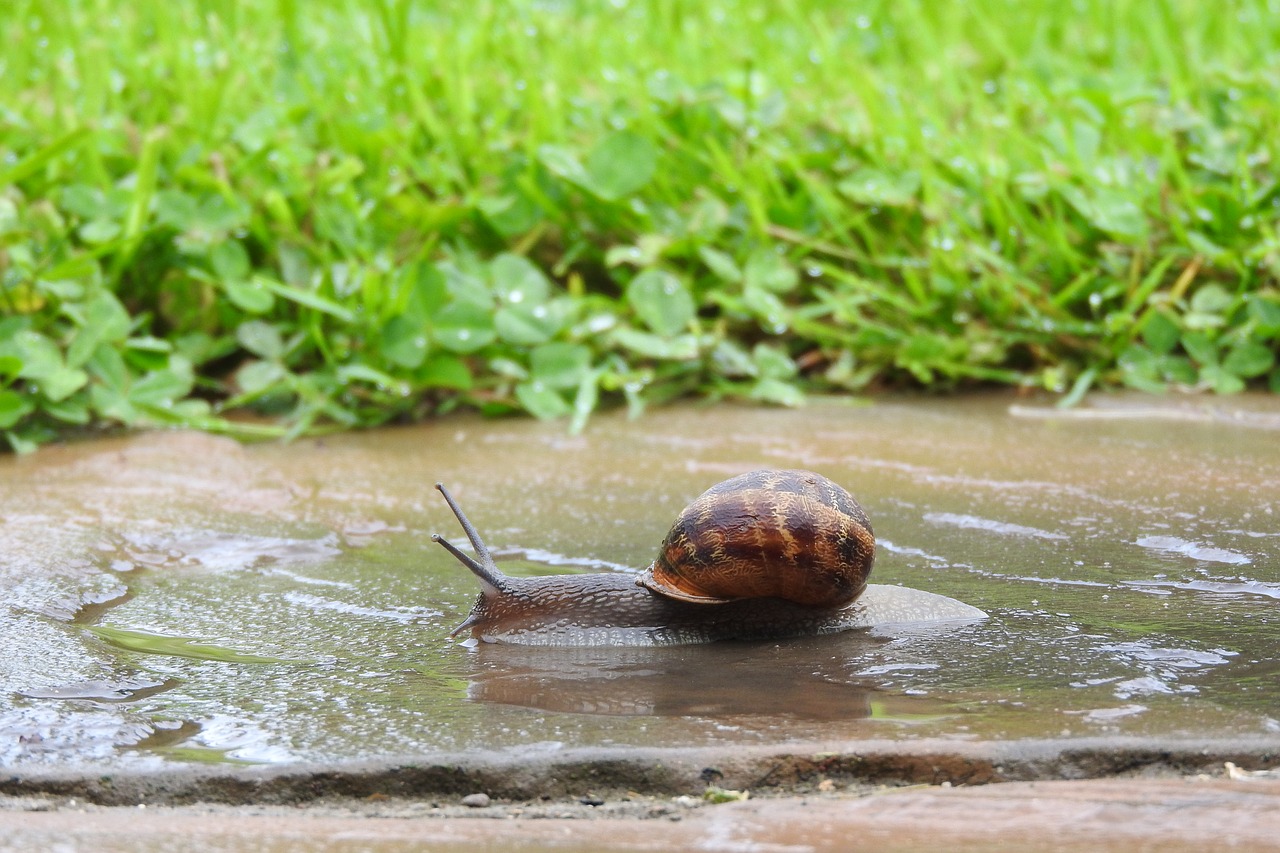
column 793, row 535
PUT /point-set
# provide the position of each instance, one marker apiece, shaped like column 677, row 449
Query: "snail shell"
column 793, row 535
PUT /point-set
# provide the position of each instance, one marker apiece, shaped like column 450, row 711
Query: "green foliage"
column 368, row 210
column 1217, row 341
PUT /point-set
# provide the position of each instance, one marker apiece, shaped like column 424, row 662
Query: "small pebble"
column 1234, row 772
column 591, row 801
column 476, row 801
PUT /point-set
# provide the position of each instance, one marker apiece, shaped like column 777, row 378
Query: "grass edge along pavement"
column 359, row 212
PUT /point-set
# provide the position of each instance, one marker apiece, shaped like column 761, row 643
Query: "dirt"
column 1165, row 814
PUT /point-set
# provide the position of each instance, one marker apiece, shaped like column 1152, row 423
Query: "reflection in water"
column 219, row 551
column 61, row 733
column 988, row 524
column 217, row 738
column 166, row 644
column 724, row 681
column 122, row 690
column 1220, row 587
column 321, row 604
column 1194, row 550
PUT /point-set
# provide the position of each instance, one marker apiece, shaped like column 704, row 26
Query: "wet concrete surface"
column 192, row 619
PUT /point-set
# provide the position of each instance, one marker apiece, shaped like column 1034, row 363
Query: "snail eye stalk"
column 485, row 568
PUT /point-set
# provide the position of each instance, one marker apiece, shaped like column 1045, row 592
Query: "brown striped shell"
column 767, row 534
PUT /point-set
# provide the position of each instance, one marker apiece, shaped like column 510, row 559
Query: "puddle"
column 1195, row 550
column 176, row 598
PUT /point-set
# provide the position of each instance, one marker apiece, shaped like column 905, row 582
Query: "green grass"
column 340, row 213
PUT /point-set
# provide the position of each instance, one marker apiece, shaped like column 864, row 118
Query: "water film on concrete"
column 189, row 618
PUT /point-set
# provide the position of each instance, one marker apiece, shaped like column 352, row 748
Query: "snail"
column 766, row 555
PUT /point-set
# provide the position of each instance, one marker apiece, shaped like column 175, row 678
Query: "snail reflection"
column 750, row 682
column 765, row 555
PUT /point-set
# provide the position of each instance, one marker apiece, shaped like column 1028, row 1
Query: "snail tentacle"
column 463, row 558
column 491, row 577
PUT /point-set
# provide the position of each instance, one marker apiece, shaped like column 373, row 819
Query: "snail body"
column 766, row 555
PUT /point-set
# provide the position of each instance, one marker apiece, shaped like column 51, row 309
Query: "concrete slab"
column 1122, row 815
